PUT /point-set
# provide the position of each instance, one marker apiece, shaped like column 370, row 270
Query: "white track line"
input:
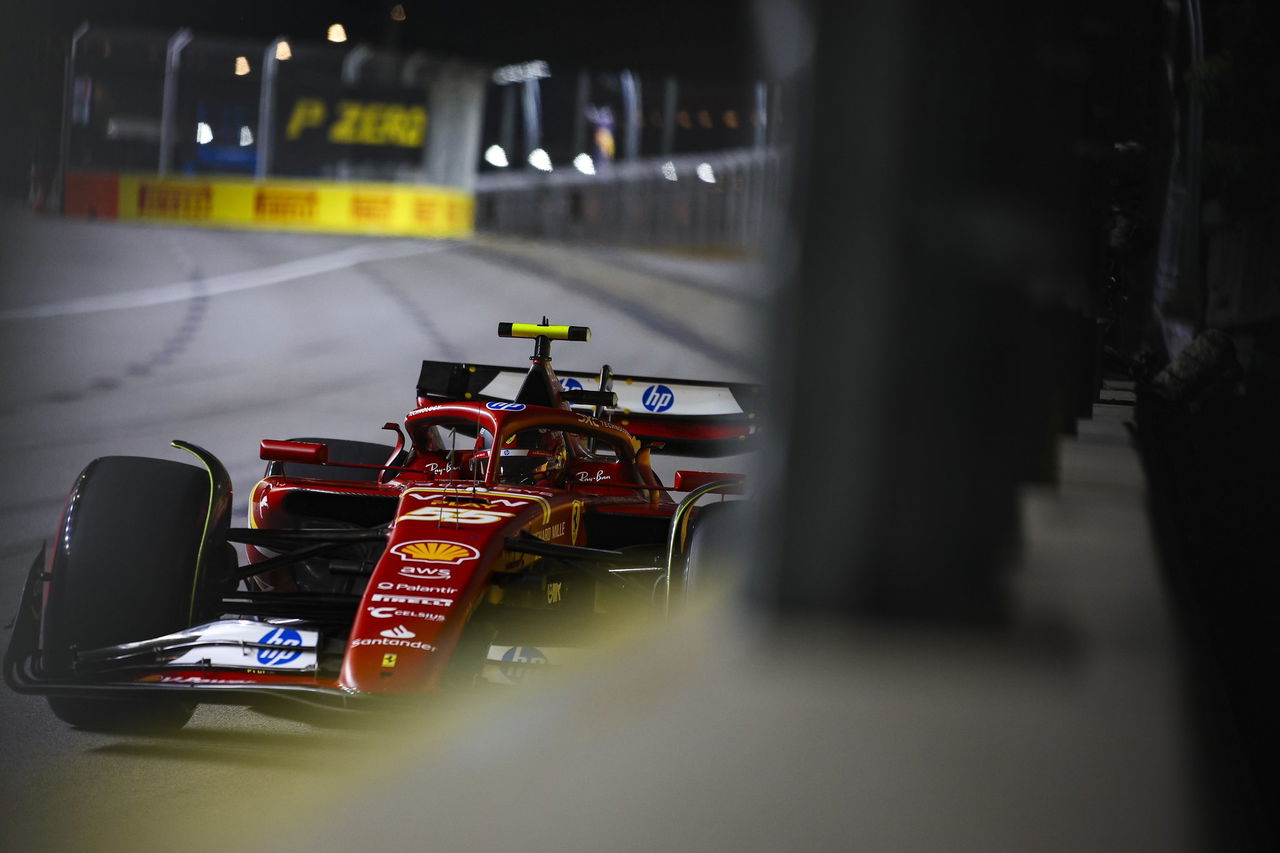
column 229, row 283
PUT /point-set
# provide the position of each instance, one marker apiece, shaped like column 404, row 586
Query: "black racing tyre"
column 123, row 716
column 125, row 569
column 341, row 450
column 713, row 554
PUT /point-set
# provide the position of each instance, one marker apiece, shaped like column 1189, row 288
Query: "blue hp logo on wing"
column 514, row 659
column 658, row 398
column 570, row 385
column 284, row 645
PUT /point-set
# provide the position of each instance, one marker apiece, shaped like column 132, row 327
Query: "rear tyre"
column 125, row 569
column 714, row 556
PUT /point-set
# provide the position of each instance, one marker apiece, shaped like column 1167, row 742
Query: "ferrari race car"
column 516, row 513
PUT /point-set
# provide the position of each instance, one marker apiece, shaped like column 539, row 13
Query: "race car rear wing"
column 687, row 417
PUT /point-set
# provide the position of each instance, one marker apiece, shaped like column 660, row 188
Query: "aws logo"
column 435, row 551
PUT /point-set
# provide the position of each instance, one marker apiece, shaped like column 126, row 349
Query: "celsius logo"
column 515, row 658
column 285, row 646
column 658, row 398
column 505, row 407
column 399, row 632
column 570, row 385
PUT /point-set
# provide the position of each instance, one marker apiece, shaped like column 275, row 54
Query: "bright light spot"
column 521, row 71
column 337, row 33
column 705, row 173
column 282, row 51
column 540, row 159
column 397, row 12
column 204, row 133
column 584, row 164
column 246, row 135
column 495, row 156
column 242, row 66
column 669, row 171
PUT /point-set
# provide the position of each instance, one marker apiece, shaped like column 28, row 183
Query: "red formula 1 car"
column 516, row 514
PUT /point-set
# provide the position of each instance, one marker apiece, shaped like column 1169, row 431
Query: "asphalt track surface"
column 116, row 339
column 724, row 731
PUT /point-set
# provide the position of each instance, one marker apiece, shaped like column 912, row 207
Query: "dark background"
column 1212, row 461
column 705, row 40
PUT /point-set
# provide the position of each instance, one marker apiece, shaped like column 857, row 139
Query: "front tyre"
column 123, row 716
column 125, row 569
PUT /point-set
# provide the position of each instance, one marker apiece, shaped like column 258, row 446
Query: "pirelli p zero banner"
column 314, row 129
column 275, row 205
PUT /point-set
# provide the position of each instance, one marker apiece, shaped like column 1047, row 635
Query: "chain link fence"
column 722, row 200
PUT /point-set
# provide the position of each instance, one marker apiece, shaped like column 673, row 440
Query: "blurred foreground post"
column 918, row 365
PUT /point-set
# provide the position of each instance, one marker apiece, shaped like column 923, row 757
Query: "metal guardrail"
column 725, row 200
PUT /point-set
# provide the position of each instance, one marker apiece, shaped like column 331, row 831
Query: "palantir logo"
column 284, row 646
column 658, row 398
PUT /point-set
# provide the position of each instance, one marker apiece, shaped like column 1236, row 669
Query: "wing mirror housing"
column 687, row 481
column 293, row 451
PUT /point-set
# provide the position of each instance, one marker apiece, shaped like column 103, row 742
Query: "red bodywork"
column 449, row 534
column 459, row 530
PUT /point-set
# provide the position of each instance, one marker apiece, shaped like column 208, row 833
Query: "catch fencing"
column 723, row 200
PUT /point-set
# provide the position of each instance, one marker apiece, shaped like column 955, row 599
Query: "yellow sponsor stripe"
column 415, row 210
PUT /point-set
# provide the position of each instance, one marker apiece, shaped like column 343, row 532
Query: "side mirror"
column 293, row 451
column 687, row 481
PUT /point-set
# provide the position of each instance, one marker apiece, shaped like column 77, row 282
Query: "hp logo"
column 285, row 646
column 504, row 407
column 658, row 398
column 570, row 385
column 512, row 659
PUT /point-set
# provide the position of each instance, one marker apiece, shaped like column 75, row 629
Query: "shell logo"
column 435, row 551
